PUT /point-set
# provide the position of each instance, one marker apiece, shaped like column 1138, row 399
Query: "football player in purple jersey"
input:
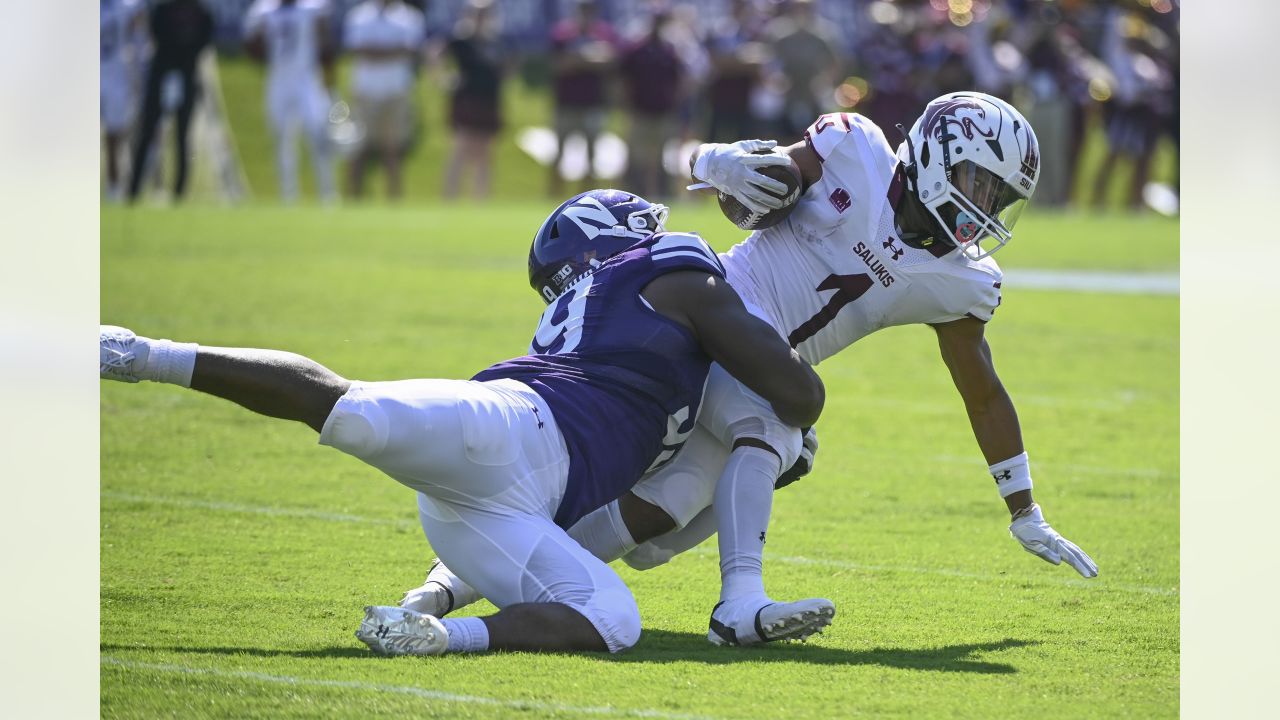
column 505, row 461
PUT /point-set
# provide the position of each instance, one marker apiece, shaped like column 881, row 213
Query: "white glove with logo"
column 1037, row 538
column 731, row 169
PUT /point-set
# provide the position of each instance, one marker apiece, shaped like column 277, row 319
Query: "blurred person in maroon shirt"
column 736, row 60
column 652, row 79
column 583, row 49
column 475, row 101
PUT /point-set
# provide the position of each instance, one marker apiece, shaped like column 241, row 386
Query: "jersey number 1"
column 848, row 288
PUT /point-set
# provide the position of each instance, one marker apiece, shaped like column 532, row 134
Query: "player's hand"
column 731, row 169
column 804, row 464
column 1037, row 538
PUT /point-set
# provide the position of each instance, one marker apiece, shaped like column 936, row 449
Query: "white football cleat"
column 399, row 631
column 442, row 593
column 118, row 351
column 751, row 621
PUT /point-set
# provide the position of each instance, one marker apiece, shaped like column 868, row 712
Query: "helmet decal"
column 936, row 115
column 588, row 210
column 966, row 227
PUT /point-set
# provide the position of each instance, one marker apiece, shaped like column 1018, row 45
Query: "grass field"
column 236, row 555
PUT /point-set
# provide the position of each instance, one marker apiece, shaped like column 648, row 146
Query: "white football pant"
column 491, row 466
column 301, row 105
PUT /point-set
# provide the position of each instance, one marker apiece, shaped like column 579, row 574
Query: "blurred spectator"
column 652, row 75
column 736, row 60
column 1049, row 107
column 583, row 49
column 385, row 38
column 805, row 50
column 121, row 46
column 475, row 103
column 292, row 37
column 1133, row 116
column 180, row 29
column 685, row 35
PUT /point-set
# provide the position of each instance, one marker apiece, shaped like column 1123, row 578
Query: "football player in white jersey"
column 879, row 238
column 292, row 37
column 122, row 48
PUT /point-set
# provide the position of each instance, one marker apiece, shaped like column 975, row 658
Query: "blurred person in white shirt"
column 385, row 37
column 291, row 37
column 122, row 46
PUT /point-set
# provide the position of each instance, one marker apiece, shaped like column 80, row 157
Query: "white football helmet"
column 973, row 161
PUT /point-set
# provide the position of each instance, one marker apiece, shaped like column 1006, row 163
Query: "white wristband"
column 1012, row 475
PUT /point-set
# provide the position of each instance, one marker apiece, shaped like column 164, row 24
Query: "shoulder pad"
column 670, row 251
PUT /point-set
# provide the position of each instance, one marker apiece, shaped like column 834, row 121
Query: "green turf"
column 237, row 554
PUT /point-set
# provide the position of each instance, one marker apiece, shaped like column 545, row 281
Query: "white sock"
column 603, row 533
column 168, row 361
column 468, row 634
column 743, row 503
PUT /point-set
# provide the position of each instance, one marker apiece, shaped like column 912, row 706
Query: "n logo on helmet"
column 586, row 213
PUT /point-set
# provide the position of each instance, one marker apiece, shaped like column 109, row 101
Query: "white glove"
column 804, row 464
column 731, row 169
column 1037, row 538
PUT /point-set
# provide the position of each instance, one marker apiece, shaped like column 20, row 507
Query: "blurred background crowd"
column 611, row 91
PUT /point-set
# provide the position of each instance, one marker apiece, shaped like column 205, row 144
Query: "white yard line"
column 1093, row 281
column 700, row 551
column 424, row 693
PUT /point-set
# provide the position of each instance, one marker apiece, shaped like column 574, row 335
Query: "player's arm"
column 995, row 426
column 744, row 345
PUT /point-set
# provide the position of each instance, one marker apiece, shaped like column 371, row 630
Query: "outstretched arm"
column 995, row 426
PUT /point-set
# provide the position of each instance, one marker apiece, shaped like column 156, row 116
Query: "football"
column 738, row 213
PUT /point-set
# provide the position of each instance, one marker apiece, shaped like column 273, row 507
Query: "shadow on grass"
column 664, row 646
column 660, row 646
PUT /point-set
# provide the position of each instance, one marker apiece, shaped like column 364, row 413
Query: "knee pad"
column 784, row 440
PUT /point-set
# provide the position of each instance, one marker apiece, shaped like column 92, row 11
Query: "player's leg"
column 270, row 382
column 552, row 594
column 493, row 466
column 282, row 113
column 316, row 126
column 182, row 127
column 762, row 446
column 143, row 141
column 661, row 502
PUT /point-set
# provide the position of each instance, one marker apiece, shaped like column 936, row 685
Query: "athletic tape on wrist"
column 1012, row 475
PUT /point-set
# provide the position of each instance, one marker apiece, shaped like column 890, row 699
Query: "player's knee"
column 784, row 442
column 617, row 618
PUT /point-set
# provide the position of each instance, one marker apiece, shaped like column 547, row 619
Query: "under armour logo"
column 383, row 631
column 888, row 245
column 1003, row 475
column 762, row 536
